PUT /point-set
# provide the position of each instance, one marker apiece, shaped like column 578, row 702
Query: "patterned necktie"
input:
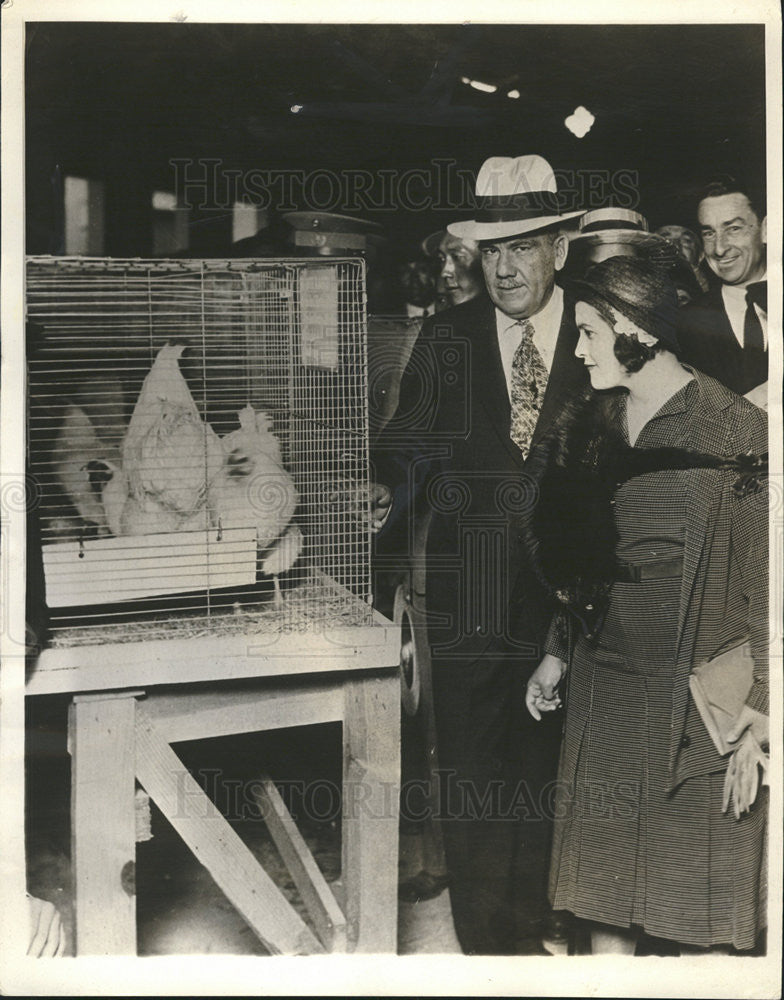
column 529, row 381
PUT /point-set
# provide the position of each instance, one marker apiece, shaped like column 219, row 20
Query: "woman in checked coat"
column 659, row 545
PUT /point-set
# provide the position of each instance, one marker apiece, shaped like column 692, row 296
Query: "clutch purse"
column 719, row 688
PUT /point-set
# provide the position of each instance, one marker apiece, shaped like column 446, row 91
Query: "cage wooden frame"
column 131, row 700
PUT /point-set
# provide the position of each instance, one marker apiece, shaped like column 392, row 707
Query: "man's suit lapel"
column 567, row 378
column 567, row 375
column 727, row 352
column 715, row 301
column 489, row 382
column 715, row 317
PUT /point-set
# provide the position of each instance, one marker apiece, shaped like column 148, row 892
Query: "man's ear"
column 765, row 230
column 560, row 250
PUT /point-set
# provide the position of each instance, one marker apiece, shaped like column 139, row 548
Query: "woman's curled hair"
column 633, row 354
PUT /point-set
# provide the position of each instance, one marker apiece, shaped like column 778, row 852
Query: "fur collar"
column 570, row 532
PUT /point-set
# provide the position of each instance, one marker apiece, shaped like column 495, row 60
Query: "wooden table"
column 132, row 701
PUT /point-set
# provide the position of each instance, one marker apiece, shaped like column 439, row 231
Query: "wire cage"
column 198, row 432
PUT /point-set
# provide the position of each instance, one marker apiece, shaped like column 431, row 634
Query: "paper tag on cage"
column 319, row 317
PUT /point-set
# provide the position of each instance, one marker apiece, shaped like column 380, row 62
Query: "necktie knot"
column 527, row 328
column 757, row 294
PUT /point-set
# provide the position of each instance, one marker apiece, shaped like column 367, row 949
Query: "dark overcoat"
column 707, row 341
column 448, row 450
column 449, row 447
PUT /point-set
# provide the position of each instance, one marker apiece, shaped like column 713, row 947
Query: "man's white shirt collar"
column 417, row 312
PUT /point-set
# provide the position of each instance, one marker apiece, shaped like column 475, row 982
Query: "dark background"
column 117, row 102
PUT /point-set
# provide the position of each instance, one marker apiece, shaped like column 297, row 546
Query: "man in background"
column 689, row 245
column 460, row 267
column 725, row 333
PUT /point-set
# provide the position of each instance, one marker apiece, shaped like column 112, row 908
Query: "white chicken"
column 175, row 474
column 159, row 483
column 281, row 557
column 147, row 516
column 252, row 487
column 130, row 515
column 111, row 485
column 169, row 455
column 76, row 446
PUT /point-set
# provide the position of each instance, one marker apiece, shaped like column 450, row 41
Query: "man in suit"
column 725, row 333
column 485, row 380
column 689, row 245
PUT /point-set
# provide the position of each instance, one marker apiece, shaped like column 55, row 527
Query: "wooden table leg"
column 371, row 792
column 103, row 826
column 434, row 862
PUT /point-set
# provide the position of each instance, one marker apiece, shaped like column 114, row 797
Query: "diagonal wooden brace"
column 216, row 845
column 313, row 888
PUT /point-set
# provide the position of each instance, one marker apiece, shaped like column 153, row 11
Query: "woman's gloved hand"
column 47, row 934
column 541, row 695
column 756, row 722
column 742, row 780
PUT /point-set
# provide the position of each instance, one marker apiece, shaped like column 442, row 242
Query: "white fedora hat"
column 516, row 194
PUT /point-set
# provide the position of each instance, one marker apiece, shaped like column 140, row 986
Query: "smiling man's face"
column 733, row 237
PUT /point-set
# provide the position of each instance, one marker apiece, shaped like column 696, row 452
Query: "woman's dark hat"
column 638, row 290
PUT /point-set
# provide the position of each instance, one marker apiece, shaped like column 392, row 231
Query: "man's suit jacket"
column 708, row 343
column 449, row 446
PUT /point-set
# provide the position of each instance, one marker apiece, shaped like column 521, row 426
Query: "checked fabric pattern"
column 529, row 381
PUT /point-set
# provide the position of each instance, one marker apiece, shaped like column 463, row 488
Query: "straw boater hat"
column 616, row 226
column 516, row 195
column 609, row 232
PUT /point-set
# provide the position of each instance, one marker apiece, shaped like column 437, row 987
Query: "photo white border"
column 708, row 976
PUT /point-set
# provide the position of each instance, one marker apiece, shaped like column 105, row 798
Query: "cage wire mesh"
column 199, row 434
